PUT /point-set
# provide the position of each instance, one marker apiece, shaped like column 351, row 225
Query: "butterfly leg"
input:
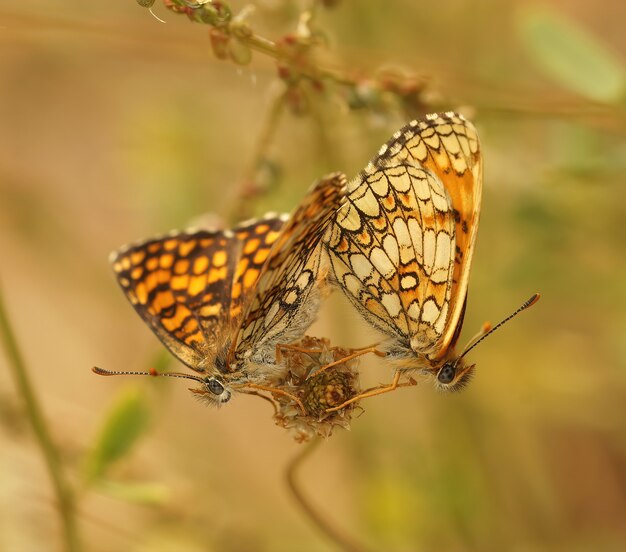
column 275, row 390
column 264, row 397
column 355, row 353
column 395, row 384
column 280, row 348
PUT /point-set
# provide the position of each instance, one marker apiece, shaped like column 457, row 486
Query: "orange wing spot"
column 205, row 242
column 217, row 274
column 163, row 276
column 260, row 256
column 242, row 267
column 220, row 258
column 236, row 291
column 117, row 267
column 271, row 237
column 179, row 282
column 195, row 338
column 185, row 247
column 173, row 324
column 262, row 229
column 163, row 300
column 191, row 326
column 137, row 256
column 154, row 247
column 365, row 237
column 125, row 263
column 181, row 266
column 197, row 284
column 250, row 277
column 380, row 223
column 142, row 293
column 251, row 246
column 210, row 310
column 170, row 245
column 152, row 263
column 150, row 281
column 343, row 245
column 125, row 282
column 235, row 311
column 200, row 265
column 136, row 273
column 132, row 297
column 166, row 260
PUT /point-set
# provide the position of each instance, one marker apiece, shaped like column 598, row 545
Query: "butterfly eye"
column 447, row 373
column 214, row 386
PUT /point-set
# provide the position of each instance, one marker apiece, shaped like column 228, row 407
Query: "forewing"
column 255, row 242
column 401, row 244
column 286, row 298
column 189, row 287
column 181, row 287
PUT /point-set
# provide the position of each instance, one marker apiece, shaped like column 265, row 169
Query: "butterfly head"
column 213, row 391
column 454, row 375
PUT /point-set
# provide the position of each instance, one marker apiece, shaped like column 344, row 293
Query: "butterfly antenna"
column 152, row 372
column 529, row 303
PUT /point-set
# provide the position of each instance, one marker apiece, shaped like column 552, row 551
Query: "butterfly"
column 222, row 301
column 401, row 245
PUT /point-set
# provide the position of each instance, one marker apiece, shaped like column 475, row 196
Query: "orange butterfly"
column 223, row 301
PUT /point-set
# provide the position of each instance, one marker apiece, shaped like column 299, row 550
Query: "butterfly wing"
column 256, row 239
column 188, row 286
column 401, row 245
column 287, row 296
column 180, row 286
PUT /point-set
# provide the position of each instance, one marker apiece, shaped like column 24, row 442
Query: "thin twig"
column 218, row 15
column 249, row 187
column 64, row 494
column 323, row 524
column 328, row 148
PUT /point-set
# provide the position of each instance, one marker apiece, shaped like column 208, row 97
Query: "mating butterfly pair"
column 398, row 240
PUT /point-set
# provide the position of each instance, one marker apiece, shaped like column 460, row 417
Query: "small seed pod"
column 219, row 43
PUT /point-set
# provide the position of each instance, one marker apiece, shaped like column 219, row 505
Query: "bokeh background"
column 115, row 127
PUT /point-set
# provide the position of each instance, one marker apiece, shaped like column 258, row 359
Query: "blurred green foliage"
column 572, row 57
column 125, row 422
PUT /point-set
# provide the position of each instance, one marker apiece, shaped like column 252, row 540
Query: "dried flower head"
column 316, row 392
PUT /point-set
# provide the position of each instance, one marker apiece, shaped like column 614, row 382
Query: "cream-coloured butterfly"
column 401, row 246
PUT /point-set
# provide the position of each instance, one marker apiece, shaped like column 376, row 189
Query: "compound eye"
column 446, row 374
column 215, row 386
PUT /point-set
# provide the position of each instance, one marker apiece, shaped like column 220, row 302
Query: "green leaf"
column 125, row 423
column 571, row 56
column 141, row 493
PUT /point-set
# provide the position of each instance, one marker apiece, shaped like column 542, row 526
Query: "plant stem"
column 63, row 492
column 341, row 540
column 244, row 34
column 249, row 187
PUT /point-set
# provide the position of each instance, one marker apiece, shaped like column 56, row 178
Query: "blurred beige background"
column 115, row 127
